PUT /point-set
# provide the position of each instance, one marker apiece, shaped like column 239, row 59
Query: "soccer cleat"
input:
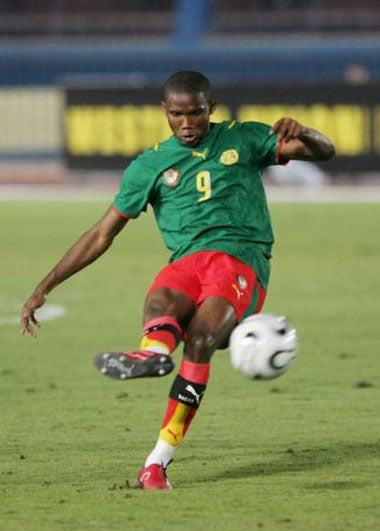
column 153, row 477
column 126, row 365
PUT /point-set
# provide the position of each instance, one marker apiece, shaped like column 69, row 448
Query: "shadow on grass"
column 303, row 460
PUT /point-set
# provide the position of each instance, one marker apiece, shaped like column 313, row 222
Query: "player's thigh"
column 209, row 328
column 174, row 291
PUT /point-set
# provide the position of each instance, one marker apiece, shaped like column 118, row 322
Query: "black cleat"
column 127, row 365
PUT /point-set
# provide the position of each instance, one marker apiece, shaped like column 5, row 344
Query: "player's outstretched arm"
column 301, row 142
column 86, row 250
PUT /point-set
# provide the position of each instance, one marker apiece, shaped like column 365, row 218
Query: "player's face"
column 188, row 116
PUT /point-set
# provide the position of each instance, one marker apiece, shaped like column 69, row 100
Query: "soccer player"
column 204, row 185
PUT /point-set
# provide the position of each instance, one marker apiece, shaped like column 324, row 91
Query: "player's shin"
column 185, row 397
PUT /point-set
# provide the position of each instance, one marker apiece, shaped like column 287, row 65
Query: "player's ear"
column 164, row 106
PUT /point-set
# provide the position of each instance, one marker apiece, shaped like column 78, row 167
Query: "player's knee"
column 156, row 308
column 159, row 303
column 201, row 343
column 165, row 301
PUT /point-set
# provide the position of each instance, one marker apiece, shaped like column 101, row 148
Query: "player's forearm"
column 318, row 146
column 85, row 251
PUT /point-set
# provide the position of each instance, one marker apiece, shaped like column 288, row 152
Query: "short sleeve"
column 135, row 189
column 264, row 145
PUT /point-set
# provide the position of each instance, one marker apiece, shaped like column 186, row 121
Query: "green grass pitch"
column 297, row 453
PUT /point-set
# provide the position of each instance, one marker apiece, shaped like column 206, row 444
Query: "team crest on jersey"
column 229, row 157
column 171, row 177
column 242, row 282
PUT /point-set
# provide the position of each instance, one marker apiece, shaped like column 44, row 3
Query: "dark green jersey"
column 210, row 197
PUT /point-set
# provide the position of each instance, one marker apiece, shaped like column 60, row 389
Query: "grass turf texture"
column 296, row 453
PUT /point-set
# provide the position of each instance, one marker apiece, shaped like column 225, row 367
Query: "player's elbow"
column 328, row 151
column 95, row 242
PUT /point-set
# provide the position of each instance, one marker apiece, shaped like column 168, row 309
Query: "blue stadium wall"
column 297, row 62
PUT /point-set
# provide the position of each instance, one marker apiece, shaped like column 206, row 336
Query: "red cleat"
column 153, row 477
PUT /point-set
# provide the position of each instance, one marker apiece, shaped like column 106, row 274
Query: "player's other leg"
column 207, row 330
column 164, row 312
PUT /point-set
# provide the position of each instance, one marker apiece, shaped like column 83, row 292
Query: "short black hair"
column 188, row 82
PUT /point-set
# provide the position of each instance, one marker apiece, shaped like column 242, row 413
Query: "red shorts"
column 214, row 274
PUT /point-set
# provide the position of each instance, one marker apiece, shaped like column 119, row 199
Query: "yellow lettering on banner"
column 376, row 129
column 221, row 113
column 126, row 130
column 104, row 121
column 267, row 114
column 152, row 125
column 348, row 126
column 108, row 130
column 79, row 131
column 126, row 136
column 320, row 116
column 353, row 130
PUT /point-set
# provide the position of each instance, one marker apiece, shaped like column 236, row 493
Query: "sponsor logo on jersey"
column 171, row 177
column 202, row 154
column 229, row 157
column 239, row 293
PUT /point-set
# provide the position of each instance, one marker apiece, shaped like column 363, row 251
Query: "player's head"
column 188, row 82
column 188, row 104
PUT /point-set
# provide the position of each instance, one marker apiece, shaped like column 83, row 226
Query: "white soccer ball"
column 263, row 346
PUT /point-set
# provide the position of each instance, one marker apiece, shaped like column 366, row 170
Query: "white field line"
column 49, row 312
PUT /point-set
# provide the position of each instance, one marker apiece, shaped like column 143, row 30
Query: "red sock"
column 161, row 335
column 185, row 396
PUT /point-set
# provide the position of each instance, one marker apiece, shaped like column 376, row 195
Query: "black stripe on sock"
column 168, row 327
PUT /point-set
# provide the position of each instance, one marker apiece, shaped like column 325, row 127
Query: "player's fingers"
column 27, row 328
column 291, row 130
column 287, row 129
column 283, row 129
column 276, row 127
column 28, row 322
column 295, row 129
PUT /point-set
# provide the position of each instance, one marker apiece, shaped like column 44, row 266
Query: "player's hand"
column 29, row 323
column 287, row 129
